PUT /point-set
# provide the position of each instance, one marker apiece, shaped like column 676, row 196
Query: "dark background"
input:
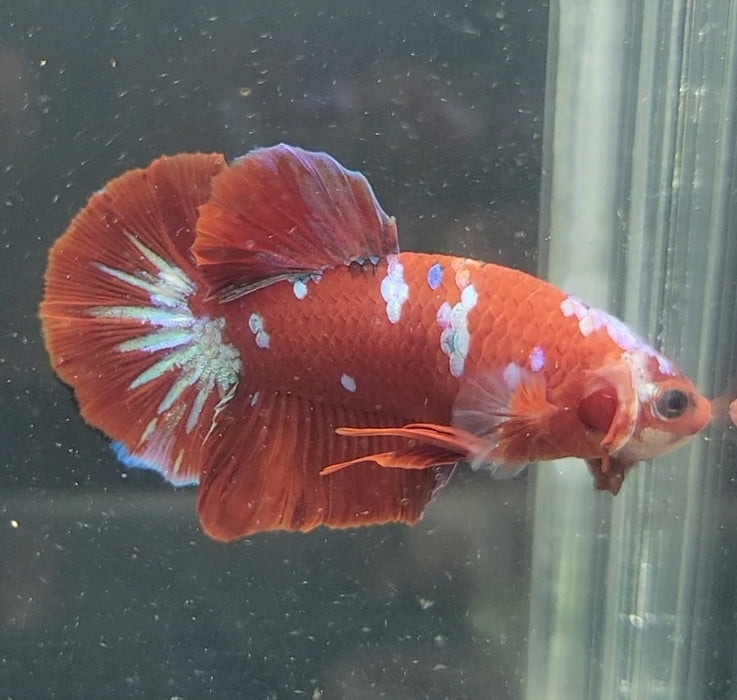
column 107, row 586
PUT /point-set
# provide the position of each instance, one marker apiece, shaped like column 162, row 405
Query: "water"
column 108, row 587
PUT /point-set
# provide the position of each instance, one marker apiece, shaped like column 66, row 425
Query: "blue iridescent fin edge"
column 132, row 461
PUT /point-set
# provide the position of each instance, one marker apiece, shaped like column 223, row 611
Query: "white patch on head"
column 258, row 328
column 655, row 437
column 455, row 338
column 348, row 382
column 189, row 351
column 394, row 290
column 591, row 319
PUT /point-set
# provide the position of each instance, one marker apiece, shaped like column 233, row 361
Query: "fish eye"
column 672, row 404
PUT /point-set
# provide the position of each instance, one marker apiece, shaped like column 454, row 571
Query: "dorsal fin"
column 282, row 211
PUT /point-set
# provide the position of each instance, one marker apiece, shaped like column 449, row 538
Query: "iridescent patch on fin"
column 282, row 213
column 191, row 346
column 135, row 462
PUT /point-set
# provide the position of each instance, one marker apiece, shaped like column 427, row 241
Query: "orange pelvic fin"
column 429, row 445
column 281, row 212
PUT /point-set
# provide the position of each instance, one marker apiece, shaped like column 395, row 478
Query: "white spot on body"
column 455, row 338
column 435, row 276
column 300, row 288
column 257, row 326
column 348, row 382
column 469, row 297
column 537, row 359
column 255, row 323
column 591, row 319
column 394, row 290
column 463, row 274
column 254, row 398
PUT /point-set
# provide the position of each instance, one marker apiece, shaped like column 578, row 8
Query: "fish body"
column 254, row 328
column 341, row 344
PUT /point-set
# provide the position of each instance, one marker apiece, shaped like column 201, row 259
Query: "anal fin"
column 263, row 463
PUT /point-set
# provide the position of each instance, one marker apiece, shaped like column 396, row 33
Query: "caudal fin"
column 124, row 320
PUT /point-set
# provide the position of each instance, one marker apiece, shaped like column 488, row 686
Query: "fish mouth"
column 612, row 478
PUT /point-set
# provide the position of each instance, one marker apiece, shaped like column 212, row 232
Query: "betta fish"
column 253, row 327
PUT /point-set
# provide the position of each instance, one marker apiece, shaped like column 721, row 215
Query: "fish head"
column 670, row 408
column 645, row 407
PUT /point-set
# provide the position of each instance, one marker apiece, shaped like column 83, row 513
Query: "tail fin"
column 124, row 319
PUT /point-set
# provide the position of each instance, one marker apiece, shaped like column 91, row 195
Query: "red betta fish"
column 254, row 328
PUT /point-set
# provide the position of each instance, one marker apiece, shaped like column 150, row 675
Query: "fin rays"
column 272, row 481
column 282, row 211
column 123, row 321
